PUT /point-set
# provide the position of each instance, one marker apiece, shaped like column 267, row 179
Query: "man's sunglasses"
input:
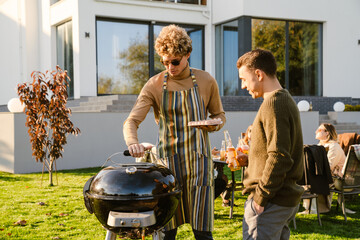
column 174, row 62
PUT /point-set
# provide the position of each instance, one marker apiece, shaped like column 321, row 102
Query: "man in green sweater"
column 276, row 152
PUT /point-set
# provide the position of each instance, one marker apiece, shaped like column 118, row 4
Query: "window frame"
column 150, row 25
column 245, row 45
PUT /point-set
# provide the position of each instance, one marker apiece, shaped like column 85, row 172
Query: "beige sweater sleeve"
column 144, row 102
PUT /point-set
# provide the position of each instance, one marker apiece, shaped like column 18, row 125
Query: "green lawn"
column 64, row 216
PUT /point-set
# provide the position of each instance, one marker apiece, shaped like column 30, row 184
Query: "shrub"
column 349, row 107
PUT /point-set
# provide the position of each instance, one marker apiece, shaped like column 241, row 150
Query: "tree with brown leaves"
column 47, row 116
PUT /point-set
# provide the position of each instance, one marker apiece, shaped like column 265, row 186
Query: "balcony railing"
column 197, row 2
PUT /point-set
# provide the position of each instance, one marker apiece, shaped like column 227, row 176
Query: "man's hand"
column 215, row 152
column 137, row 150
column 209, row 128
column 230, row 163
column 258, row 209
column 242, row 158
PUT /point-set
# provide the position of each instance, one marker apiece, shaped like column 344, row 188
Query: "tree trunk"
column 51, row 172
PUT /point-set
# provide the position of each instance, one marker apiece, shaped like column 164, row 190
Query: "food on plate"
column 215, row 121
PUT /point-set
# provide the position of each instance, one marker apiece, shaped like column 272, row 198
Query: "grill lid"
column 132, row 181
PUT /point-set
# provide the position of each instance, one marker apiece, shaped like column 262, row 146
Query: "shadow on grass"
column 333, row 223
column 82, row 171
column 225, row 215
column 12, row 178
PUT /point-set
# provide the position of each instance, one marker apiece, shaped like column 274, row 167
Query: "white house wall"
column 11, row 51
column 23, row 32
column 30, row 30
column 7, row 143
column 45, row 41
column 341, row 33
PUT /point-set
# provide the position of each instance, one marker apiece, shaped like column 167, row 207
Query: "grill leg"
column 158, row 235
column 110, row 235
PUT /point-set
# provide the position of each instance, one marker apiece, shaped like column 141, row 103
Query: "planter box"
column 345, row 117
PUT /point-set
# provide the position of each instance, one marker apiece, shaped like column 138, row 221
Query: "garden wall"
column 101, row 135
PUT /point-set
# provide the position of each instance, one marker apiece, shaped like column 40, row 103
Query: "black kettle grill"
column 132, row 200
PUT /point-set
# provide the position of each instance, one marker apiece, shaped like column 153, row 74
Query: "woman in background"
column 247, row 137
column 328, row 138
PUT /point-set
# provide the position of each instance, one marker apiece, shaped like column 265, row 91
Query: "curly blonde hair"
column 173, row 41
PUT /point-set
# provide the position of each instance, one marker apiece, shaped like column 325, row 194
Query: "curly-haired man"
column 178, row 95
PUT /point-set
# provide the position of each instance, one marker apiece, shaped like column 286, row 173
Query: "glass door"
column 64, row 52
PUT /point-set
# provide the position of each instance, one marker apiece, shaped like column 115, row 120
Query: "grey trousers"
column 273, row 223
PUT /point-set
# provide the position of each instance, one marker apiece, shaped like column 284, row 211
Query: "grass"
column 64, row 216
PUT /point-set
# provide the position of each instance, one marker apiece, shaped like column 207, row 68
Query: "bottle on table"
column 231, row 153
column 222, row 151
column 242, row 146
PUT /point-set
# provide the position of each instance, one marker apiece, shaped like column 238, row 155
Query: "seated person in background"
column 221, row 181
column 348, row 139
column 244, row 147
column 327, row 136
column 247, row 137
column 336, row 155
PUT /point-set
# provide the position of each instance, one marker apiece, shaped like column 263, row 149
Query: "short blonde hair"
column 173, row 41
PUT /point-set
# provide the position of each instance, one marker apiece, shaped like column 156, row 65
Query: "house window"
column 297, row 47
column 126, row 58
column 227, row 54
column 64, row 52
column 122, row 55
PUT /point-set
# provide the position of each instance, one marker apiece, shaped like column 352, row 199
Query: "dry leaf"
column 57, row 237
column 20, row 222
column 48, row 213
column 63, row 214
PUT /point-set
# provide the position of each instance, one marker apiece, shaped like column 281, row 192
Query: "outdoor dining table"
column 233, row 185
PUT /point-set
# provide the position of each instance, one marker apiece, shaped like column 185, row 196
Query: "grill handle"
column 86, row 198
column 127, row 153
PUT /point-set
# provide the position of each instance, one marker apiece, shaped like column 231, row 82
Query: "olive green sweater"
column 276, row 152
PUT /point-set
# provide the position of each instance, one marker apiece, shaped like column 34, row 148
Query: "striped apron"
column 187, row 153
